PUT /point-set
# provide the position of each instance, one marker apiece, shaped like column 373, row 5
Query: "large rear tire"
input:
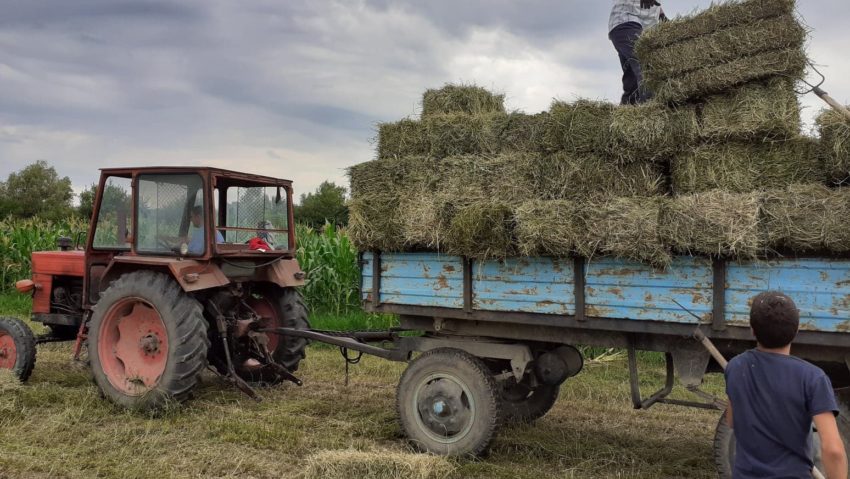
column 17, row 347
column 147, row 341
column 448, row 403
column 279, row 308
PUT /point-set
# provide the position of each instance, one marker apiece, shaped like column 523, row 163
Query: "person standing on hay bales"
column 629, row 18
column 774, row 398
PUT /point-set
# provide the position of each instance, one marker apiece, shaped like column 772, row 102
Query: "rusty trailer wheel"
column 17, row 347
column 147, row 341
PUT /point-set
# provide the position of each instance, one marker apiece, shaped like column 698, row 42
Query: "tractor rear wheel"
column 17, row 347
column 147, row 341
column 448, row 403
column 279, row 308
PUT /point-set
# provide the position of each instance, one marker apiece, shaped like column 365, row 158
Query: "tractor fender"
column 191, row 275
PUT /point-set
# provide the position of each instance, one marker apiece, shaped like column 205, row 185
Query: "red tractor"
column 183, row 268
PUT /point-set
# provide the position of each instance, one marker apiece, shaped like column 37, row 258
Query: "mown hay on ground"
column 807, row 219
column 347, row 464
column 723, row 46
column 650, row 132
column 789, row 63
column 834, row 131
column 624, row 228
column 547, row 228
column 756, row 112
column 482, row 230
column 402, row 138
column 742, row 167
column 582, row 126
column 716, row 17
column 715, row 223
column 469, row 99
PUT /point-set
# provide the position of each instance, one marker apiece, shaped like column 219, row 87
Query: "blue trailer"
column 508, row 328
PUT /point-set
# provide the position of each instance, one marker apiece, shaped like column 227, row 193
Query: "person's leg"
column 624, row 37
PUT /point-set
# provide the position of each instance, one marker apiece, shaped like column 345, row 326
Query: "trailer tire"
column 448, row 403
column 147, row 342
column 521, row 404
column 17, row 347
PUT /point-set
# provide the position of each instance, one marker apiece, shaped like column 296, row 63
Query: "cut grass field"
column 57, row 425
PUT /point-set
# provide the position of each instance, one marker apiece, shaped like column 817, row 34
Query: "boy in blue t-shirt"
column 776, row 397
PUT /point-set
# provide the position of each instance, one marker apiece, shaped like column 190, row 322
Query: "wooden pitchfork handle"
column 831, row 101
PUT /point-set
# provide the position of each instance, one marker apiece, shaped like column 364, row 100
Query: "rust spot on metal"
column 556, row 266
column 617, row 292
column 843, row 327
column 449, row 268
column 808, row 326
column 648, row 297
column 824, row 276
column 442, row 282
column 599, row 311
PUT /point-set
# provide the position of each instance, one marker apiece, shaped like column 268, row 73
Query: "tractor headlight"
column 184, row 249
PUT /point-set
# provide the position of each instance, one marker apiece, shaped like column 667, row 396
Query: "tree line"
column 38, row 190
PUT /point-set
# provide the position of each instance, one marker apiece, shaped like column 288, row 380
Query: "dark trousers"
column 624, row 37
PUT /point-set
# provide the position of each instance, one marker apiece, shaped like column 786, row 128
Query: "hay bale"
column 807, row 219
column 402, row 138
column 624, row 228
column 834, row 131
column 650, row 132
column 743, row 167
column 697, row 84
column 570, row 176
column 547, row 228
column 461, row 133
column 469, row 99
column 524, row 133
column 722, row 46
column 716, row 223
column 482, row 230
column 757, row 111
column 374, row 223
column 581, row 126
column 381, row 464
column 716, row 17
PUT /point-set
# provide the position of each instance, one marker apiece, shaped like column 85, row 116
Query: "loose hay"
column 650, row 132
column 374, row 223
column 834, row 131
column 758, row 111
column 376, row 465
column 469, row 99
column 582, row 126
column 402, row 138
column 807, row 218
column 789, row 63
column 723, row 46
column 623, row 228
column 716, row 223
column 482, row 230
column 547, row 228
column 743, row 167
column 716, row 17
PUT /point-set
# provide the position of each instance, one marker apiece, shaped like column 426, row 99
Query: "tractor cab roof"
column 223, row 177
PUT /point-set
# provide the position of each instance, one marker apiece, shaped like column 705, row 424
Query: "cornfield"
column 328, row 257
column 20, row 237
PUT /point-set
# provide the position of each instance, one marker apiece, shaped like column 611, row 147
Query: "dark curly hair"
column 775, row 319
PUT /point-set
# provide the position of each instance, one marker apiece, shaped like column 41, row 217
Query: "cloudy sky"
column 294, row 88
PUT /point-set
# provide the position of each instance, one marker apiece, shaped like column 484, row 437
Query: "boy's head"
column 775, row 319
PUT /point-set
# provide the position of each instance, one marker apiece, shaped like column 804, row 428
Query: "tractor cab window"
column 113, row 228
column 170, row 214
column 256, row 216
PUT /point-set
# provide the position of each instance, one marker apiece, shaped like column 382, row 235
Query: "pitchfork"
column 817, row 90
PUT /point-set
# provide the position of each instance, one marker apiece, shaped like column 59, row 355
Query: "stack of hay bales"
column 715, row 165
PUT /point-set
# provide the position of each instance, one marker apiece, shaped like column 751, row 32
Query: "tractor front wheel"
column 17, row 347
column 147, row 341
